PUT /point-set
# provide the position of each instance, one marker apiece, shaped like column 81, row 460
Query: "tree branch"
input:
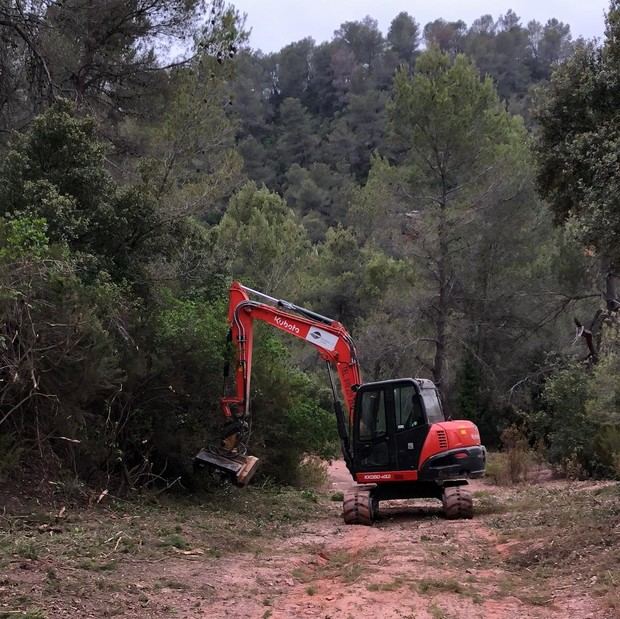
column 34, row 50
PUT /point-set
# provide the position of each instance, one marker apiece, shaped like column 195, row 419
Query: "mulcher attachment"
column 358, row 506
column 240, row 468
column 457, row 503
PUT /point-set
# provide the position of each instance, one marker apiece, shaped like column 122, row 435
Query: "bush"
column 579, row 426
column 59, row 348
column 513, row 464
column 106, row 387
column 93, row 384
column 288, row 422
column 563, row 427
column 113, row 319
column 519, row 457
column 603, row 408
column 312, row 473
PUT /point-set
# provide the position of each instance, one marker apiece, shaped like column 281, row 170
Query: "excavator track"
column 358, row 506
column 457, row 503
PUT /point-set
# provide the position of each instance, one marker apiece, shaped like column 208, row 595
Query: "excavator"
column 395, row 439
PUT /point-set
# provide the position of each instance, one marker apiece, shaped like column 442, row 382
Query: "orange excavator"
column 395, row 439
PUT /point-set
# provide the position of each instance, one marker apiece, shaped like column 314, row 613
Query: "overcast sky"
column 276, row 23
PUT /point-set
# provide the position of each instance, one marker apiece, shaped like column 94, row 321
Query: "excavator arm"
column 329, row 337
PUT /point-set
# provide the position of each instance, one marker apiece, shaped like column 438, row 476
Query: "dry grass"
column 392, row 585
column 312, row 473
column 348, row 567
column 547, row 540
column 432, row 586
column 509, row 467
column 562, row 532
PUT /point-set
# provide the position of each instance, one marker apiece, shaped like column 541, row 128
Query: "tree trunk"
column 441, row 321
column 611, row 287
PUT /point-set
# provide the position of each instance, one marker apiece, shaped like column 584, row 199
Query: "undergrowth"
column 565, row 532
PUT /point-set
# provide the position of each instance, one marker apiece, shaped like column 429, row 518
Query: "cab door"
column 374, row 430
column 410, row 423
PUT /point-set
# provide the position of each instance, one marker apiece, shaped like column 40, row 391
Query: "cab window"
column 407, row 408
column 434, row 412
column 372, row 420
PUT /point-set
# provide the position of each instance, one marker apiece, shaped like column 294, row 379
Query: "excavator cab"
column 403, row 447
column 392, row 421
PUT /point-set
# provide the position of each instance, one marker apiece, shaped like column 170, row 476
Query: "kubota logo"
column 284, row 324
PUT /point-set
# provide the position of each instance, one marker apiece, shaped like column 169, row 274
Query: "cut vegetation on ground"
column 550, row 549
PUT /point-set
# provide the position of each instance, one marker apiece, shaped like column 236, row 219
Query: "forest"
column 448, row 191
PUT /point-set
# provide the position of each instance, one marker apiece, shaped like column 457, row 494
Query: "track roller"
column 457, row 503
column 358, row 507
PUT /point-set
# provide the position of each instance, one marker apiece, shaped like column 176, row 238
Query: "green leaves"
column 23, row 236
column 288, row 419
column 460, row 200
column 578, row 145
column 579, row 425
column 263, row 242
column 56, row 172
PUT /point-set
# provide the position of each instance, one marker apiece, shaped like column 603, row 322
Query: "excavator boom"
column 329, row 337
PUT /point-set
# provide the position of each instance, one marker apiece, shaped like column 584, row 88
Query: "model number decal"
column 378, row 476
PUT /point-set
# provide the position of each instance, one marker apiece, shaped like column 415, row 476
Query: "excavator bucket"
column 240, row 468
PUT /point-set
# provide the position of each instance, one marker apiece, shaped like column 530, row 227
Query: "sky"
column 275, row 23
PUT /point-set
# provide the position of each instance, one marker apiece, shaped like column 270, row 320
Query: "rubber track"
column 357, row 507
column 457, row 503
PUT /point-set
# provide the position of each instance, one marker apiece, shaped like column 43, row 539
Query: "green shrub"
column 579, row 426
column 288, row 422
column 603, row 408
column 563, row 426
column 60, row 344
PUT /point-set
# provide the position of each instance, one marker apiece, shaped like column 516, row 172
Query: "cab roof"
column 423, row 383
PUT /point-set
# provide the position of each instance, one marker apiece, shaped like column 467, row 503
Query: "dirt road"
column 411, row 564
